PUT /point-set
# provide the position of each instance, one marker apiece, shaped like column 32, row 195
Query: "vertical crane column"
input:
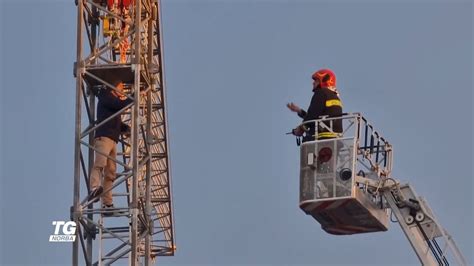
column 122, row 39
column 135, row 136
column 77, row 145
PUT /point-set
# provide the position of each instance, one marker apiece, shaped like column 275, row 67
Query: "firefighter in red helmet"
column 325, row 102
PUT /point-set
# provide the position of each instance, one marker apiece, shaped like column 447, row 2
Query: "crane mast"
column 122, row 39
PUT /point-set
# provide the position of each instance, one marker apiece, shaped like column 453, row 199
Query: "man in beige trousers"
column 105, row 143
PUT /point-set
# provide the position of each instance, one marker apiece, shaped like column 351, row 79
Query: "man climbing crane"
column 106, row 137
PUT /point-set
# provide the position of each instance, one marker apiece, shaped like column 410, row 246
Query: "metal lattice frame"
column 142, row 225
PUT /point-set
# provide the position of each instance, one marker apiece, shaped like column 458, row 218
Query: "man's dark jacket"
column 324, row 102
column 107, row 106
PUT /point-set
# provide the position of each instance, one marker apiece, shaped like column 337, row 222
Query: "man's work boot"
column 109, row 210
column 95, row 193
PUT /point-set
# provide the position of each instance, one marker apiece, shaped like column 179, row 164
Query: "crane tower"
column 122, row 39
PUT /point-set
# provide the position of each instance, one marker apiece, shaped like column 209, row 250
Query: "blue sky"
column 231, row 66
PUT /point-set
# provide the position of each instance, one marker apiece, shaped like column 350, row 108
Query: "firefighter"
column 325, row 102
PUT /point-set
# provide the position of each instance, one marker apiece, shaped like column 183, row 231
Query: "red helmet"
column 325, row 77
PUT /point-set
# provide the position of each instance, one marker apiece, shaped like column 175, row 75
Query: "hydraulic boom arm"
column 431, row 242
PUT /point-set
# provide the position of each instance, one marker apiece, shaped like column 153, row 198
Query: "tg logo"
column 68, row 232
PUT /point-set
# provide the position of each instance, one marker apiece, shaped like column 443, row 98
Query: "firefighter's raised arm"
column 295, row 108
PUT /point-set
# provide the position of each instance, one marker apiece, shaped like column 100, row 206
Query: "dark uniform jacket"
column 324, row 102
column 107, row 106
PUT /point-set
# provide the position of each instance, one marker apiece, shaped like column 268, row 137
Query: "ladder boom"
column 421, row 228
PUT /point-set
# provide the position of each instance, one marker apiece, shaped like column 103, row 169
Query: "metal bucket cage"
column 329, row 190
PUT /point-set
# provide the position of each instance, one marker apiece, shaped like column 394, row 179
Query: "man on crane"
column 325, row 102
column 106, row 137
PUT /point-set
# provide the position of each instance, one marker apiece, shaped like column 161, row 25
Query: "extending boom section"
column 432, row 243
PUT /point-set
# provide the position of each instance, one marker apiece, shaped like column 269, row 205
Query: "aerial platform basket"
column 329, row 187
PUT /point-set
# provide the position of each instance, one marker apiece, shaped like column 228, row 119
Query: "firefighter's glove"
column 299, row 131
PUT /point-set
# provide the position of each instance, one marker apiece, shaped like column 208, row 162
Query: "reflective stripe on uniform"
column 329, row 135
column 334, row 102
